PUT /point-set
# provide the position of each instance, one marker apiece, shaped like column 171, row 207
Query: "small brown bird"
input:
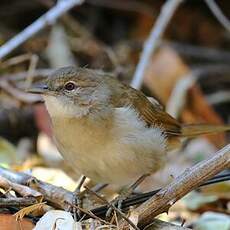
column 109, row 131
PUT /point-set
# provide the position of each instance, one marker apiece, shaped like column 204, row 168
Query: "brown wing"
column 151, row 113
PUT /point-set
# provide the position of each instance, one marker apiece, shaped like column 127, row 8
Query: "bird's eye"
column 70, row 86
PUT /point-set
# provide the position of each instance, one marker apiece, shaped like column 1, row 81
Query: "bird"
column 107, row 130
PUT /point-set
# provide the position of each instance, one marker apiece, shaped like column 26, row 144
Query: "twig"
column 89, row 213
column 77, row 199
column 18, row 94
column 99, row 187
column 207, row 70
column 178, row 97
column 150, row 45
column 21, row 76
column 48, row 18
column 199, row 52
column 17, row 202
column 141, row 198
column 56, row 196
column 20, row 189
column 183, row 184
column 15, row 60
column 223, row 20
column 20, row 81
column 218, row 97
column 32, row 66
column 80, row 183
column 113, row 207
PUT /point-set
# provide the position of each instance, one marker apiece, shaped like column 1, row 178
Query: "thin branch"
column 16, row 60
column 223, row 20
column 222, row 96
column 38, row 74
column 186, row 182
column 114, row 208
column 80, row 183
column 20, row 189
column 141, row 198
column 199, row 52
column 48, row 18
column 57, row 196
column 150, row 45
column 19, row 84
column 17, row 202
column 178, row 97
column 90, row 214
column 32, row 66
column 18, row 94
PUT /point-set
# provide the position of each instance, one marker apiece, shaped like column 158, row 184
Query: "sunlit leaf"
column 27, row 210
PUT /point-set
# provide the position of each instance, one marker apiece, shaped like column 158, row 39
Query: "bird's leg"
column 77, row 199
column 133, row 186
column 125, row 193
column 79, row 195
column 99, row 187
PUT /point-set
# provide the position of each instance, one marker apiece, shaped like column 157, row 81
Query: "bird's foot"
column 124, row 194
column 77, row 200
column 116, row 203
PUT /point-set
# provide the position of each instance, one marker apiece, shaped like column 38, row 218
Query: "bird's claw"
column 76, row 202
column 115, row 204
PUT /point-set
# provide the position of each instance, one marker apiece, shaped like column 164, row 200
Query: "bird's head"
column 74, row 92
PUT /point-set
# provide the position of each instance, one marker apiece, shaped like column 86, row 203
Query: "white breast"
column 117, row 152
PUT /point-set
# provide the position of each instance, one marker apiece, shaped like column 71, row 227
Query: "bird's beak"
column 39, row 88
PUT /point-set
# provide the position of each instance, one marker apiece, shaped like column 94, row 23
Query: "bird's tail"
column 200, row 129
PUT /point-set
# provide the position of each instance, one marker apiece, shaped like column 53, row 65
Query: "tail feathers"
column 200, row 129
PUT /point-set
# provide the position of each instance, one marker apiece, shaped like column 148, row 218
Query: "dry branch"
column 17, row 202
column 18, row 94
column 199, row 52
column 58, row 197
column 150, row 45
column 183, row 184
column 19, row 84
column 38, row 74
column 223, row 20
column 20, row 189
column 48, row 18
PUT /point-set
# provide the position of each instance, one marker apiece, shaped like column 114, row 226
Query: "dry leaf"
column 27, row 210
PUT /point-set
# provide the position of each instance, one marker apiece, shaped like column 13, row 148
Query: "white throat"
column 58, row 108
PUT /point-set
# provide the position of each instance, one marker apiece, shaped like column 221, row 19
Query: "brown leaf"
column 27, row 210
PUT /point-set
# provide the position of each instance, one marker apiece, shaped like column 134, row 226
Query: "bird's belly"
column 115, row 163
column 117, row 155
